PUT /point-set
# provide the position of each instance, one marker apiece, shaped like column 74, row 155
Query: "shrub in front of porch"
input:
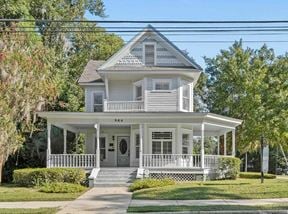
column 228, row 168
column 62, row 188
column 150, row 183
column 40, row 176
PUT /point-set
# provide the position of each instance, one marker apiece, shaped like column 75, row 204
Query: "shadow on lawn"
column 223, row 184
column 187, row 193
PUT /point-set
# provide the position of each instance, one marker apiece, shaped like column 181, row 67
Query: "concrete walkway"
column 33, row 204
column 249, row 202
column 100, row 200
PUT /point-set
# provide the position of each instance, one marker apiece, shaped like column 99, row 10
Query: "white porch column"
column 141, row 146
column 48, row 144
column 97, row 127
column 179, row 140
column 233, row 142
column 225, row 139
column 190, row 152
column 191, row 97
column 218, row 145
column 202, row 145
column 65, row 141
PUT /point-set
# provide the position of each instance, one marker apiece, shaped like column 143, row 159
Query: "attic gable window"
column 149, row 54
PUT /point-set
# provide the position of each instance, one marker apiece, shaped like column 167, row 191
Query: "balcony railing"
column 86, row 161
column 123, row 106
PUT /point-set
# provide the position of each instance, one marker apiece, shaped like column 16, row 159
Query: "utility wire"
column 151, row 21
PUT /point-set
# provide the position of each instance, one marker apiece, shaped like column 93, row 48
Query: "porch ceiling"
column 77, row 121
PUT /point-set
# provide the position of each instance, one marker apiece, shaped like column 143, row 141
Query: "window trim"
column 92, row 100
column 185, row 83
column 154, row 81
column 106, row 145
column 137, row 84
column 155, row 52
column 173, row 130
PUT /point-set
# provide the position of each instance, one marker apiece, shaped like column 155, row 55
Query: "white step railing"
column 86, row 161
column 123, row 106
column 171, row 161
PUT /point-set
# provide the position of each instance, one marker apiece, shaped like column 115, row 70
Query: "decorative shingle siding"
column 163, row 58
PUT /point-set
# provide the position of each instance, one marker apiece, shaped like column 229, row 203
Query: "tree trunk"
column 1, row 167
column 246, row 161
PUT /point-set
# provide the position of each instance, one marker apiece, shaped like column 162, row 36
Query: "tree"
column 245, row 84
column 22, row 62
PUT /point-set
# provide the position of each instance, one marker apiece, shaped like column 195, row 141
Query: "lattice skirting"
column 177, row 176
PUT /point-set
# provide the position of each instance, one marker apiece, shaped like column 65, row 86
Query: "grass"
column 32, row 211
column 224, row 189
column 281, row 206
column 14, row 193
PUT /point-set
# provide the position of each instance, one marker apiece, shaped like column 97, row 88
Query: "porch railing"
column 171, row 161
column 211, row 161
column 86, row 161
column 123, row 106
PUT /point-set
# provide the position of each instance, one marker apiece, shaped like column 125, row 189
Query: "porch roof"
column 77, row 121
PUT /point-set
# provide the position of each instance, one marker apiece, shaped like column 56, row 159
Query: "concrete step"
column 115, row 176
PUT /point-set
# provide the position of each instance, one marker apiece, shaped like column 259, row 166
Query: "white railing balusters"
column 73, row 160
column 123, row 106
column 171, row 161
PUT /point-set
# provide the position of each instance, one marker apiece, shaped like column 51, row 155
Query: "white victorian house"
column 139, row 114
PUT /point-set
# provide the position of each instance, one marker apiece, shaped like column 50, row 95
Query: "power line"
column 152, row 21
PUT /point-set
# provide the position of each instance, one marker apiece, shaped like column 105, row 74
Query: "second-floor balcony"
column 123, row 106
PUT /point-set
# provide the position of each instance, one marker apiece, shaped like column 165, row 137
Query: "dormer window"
column 149, row 54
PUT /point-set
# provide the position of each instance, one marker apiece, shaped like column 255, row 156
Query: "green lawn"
column 28, row 211
column 13, row 193
column 224, row 189
column 206, row 208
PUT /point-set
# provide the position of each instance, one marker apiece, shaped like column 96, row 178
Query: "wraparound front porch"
column 154, row 141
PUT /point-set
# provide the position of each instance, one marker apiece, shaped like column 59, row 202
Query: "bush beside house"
column 228, row 168
column 41, row 176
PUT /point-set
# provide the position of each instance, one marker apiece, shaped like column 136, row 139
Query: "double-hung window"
column 185, row 143
column 185, row 96
column 137, row 145
column 149, row 54
column 161, row 84
column 98, row 101
column 102, row 143
column 162, row 142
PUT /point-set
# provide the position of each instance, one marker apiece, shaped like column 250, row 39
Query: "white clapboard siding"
column 89, row 98
column 120, row 90
column 161, row 101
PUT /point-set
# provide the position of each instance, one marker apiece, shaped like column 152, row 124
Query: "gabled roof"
column 90, row 74
column 125, row 50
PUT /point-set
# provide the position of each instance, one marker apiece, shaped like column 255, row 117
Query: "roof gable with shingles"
column 90, row 73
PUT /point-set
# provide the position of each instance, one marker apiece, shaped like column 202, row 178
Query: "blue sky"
column 202, row 10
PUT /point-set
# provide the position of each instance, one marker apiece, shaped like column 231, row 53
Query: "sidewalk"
column 247, row 202
column 100, row 200
column 33, row 204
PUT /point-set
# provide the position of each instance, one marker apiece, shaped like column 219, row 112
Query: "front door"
column 123, row 151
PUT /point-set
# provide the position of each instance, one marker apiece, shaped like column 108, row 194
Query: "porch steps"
column 120, row 176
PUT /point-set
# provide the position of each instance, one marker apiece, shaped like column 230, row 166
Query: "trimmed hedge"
column 150, row 183
column 255, row 175
column 62, row 188
column 40, row 176
column 229, row 167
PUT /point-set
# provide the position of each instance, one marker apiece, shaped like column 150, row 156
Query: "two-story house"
column 139, row 113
